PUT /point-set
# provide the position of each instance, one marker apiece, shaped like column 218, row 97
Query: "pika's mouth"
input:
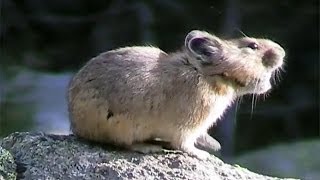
column 250, row 85
column 247, row 83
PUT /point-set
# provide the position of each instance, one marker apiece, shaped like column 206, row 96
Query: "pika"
column 132, row 94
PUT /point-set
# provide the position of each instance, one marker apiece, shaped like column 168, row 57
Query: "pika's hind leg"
column 145, row 148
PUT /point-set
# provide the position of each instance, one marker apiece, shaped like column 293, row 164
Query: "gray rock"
column 44, row 156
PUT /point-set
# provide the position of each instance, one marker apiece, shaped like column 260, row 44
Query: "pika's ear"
column 203, row 46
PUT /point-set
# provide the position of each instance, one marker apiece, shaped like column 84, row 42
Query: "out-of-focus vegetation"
column 16, row 114
column 59, row 36
column 286, row 160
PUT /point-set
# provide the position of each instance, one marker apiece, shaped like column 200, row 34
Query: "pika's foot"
column 145, row 148
column 193, row 151
column 189, row 148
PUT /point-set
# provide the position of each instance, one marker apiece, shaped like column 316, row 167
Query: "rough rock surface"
column 43, row 156
column 7, row 165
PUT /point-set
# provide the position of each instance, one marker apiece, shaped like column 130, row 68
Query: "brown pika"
column 133, row 94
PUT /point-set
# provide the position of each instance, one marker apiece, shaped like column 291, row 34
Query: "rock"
column 45, row 156
column 7, row 165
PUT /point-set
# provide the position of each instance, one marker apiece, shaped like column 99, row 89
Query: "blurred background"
column 43, row 43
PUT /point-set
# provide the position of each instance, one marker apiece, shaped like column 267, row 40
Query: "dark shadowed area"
column 44, row 42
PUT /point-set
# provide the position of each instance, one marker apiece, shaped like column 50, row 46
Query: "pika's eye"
column 253, row 46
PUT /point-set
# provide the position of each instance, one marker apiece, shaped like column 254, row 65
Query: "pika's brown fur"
column 129, row 95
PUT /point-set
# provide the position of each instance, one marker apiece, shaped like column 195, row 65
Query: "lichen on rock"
column 7, row 165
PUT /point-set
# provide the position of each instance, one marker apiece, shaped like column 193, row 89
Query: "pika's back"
column 119, row 61
column 115, row 75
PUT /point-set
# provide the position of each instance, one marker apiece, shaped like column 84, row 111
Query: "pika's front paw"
column 207, row 143
column 200, row 154
column 191, row 150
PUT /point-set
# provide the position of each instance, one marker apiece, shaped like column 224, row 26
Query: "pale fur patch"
column 219, row 103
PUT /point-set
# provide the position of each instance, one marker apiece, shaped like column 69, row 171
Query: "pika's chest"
column 214, row 109
column 218, row 105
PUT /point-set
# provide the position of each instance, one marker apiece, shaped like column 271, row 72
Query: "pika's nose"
column 273, row 57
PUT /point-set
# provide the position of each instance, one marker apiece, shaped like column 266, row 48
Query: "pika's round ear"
column 191, row 35
column 204, row 46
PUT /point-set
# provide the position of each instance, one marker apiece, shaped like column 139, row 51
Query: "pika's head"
column 247, row 63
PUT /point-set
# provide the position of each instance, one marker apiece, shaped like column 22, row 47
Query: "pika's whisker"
column 242, row 32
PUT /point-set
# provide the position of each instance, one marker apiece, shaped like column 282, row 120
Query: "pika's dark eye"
column 253, row 45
